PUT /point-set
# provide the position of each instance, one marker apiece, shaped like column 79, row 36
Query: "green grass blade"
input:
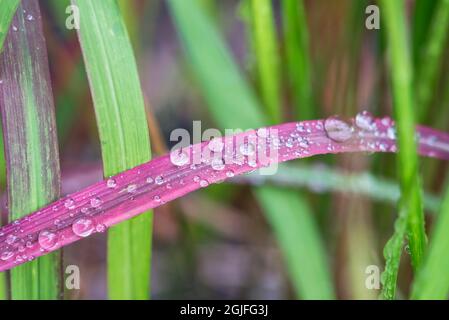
column 7, row 10
column 266, row 50
column 30, row 142
column 422, row 18
column 411, row 218
column 120, row 112
column 288, row 214
column 432, row 280
column 296, row 40
column 430, row 61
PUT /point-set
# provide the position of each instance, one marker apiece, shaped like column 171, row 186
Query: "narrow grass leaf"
column 298, row 62
column 120, row 112
column 125, row 195
column 431, row 59
column 32, row 159
column 267, row 62
column 432, row 280
column 411, row 217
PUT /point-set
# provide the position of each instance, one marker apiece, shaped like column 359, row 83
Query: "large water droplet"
column 83, row 227
column 247, row 149
column 179, row 157
column 47, row 239
column 337, row 129
column 215, row 145
column 365, row 121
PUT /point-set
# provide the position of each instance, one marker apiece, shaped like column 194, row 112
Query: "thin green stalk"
column 7, row 10
column 233, row 105
column 432, row 280
column 31, row 146
column 120, row 112
column 431, row 59
column 267, row 62
column 296, row 40
column 411, row 217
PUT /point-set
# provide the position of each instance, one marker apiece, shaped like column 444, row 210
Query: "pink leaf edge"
column 125, row 195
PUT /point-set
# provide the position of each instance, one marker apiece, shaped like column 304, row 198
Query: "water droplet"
column 47, row 239
column 150, row 180
column 204, row 183
column 131, row 188
column 14, row 28
column 247, row 149
column 218, row 164
column 95, row 202
column 179, row 157
column 215, row 145
column 30, row 17
column 6, row 255
column 262, row 132
column 83, row 227
column 111, row 183
column 10, row 239
column 159, row 180
column 229, row 174
column 69, row 203
column 365, row 121
column 157, row 199
column 196, row 179
column 391, row 133
column 337, row 129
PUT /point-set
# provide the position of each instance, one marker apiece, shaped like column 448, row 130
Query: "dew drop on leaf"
column 179, row 157
column 95, row 202
column 337, row 129
column 47, row 239
column 365, row 121
column 218, row 164
column 111, row 183
column 69, row 203
column 6, row 255
column 83, row 227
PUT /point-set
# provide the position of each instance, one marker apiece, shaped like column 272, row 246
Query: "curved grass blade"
column 411, row 217
column 120, row 112
column 296, row 41
column 30, row 142
column 7, row 11
column 126, row 195
column 430, row 61
column 266, row 49
column 432, row 280
column 219, row 76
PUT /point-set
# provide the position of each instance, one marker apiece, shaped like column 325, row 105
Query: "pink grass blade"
column 123, row 196
column 31, row 150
